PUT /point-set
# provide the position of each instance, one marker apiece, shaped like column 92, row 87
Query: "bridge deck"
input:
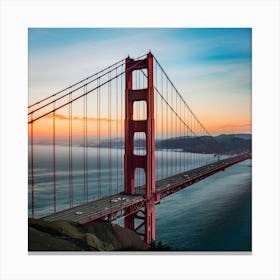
column 105, row 205
column 120, row 205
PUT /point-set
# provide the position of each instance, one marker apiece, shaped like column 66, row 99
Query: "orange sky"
column 211, row 68
column 215, row 125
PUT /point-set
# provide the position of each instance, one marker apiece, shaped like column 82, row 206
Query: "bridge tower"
column 133, row 161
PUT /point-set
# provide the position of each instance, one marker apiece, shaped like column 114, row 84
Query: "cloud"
column 226, row 126
column 210, row 68
column 56, row 68
column 78, row 118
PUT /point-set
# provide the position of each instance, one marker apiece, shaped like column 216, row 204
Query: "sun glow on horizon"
column 45, row 127
column 211, row 67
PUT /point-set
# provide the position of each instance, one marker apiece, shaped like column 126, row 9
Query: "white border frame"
column 17, row 16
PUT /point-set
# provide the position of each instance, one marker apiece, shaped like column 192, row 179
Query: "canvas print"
column 139, row 139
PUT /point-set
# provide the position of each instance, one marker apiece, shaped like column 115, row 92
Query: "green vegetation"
column 159, row 246
column 71, row 236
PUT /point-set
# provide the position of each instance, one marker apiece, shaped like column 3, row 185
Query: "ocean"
column 211, row 215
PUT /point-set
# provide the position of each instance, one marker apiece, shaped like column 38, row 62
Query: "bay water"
column 211, row 215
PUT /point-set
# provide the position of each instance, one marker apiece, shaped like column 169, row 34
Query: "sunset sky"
column 211, row 68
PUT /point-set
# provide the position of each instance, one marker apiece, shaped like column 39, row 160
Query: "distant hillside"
column 225, row 144
column 235, row 143
column 190, row 144
column 221, row 144
column 241, row 135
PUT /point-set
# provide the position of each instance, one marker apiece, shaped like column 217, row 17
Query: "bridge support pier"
column 146, row 162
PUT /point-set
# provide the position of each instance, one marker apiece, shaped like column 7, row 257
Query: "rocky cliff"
column 70, row 236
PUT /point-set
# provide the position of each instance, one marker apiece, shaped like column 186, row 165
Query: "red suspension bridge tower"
column 138, row 205
column 147, row 161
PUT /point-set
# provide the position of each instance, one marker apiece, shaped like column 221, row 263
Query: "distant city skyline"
column 211, row 67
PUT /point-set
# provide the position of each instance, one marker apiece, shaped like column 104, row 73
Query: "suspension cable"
column 98, row 143
column 54, row 165
column 109, row 137
column 73, row 85
column 117, row 132
column 78, row 97
column 32, row 168
column 85, row 146
column 188, row 107
column 172, row 109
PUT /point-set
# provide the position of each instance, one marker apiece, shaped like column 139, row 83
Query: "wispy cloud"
column 78, row 118
column 226, row 126
column 210, row 67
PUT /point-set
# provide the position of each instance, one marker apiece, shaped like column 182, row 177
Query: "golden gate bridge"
column 155, row 146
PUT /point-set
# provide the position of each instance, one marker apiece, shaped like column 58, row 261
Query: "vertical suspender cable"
column 184, row 153
column 187, row 153
column 191, row 142
column 167, row 134
column 157, row 132
column 197, row 144
column 199, row 152
column 109, row 136
column 98, row 142
column 70, row 152
column 137, row 114
column 193, row 155
column 117, row 131
column 181, row 138
column 122, row 123
column 162, row 173
column 176, row 134
column 143, row 115
column 54, row 167
column 155, row 117
column 157, row 105
column 32, row 167
column 171, row 133
column 85, row 145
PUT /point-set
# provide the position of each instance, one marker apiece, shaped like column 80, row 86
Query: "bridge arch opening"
column 139, row 144
column 140, row 110
column 140, row 79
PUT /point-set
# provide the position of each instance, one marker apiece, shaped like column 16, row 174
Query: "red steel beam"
column 132, row 161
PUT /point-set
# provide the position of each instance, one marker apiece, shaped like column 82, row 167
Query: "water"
column 109, row 179
column 212, row 215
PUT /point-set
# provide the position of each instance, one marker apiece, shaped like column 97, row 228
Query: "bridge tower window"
column 139, row 110
column 139, row 143
column 139, row 79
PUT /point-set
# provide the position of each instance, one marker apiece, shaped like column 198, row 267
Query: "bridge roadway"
column 120, row 205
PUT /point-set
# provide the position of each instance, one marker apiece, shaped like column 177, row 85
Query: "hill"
column 222, row 144
column 71, row 236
